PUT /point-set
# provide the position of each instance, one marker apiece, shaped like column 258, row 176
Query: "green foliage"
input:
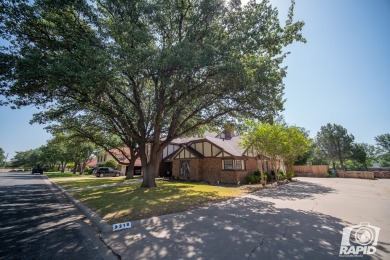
column 384, row 160
column 111, row 163
column 70, row 165
column 383, row 141
column 335, row 143
column 277, row 142
column 290, row 175
column 2, row 156
column 269, row 176
column 253, row 179
column 146, row 69
column 359, row 155
column 90, row 170
column 29, row 158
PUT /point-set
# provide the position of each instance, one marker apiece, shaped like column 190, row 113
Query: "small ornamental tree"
column 295, row 143
column 276, row 142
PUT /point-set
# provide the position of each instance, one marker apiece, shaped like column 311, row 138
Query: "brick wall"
column 353, row 174
column 382, row 174
column 210, row 170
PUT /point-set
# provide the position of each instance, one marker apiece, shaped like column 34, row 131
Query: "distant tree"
column 359, row 154
column 372, row 153
column 58, row 151
column 335, row 143
column 96, row 129
column 312, row 157
column 2, row 156
column 383, row 141
column 384, row 160
column 29, row 158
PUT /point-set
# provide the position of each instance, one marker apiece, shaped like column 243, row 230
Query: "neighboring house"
column 92, row 163
column 123, row 161
column 212, row 158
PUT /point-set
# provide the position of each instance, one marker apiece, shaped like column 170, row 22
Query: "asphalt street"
column 37, row 223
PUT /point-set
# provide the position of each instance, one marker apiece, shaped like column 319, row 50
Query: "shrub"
column 290, row 175
column 268, row 176
column 111, row 163
column 282, row 176
column 253, row 179
column 257, row 173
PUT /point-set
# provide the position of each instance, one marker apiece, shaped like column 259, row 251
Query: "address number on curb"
column 120, row 226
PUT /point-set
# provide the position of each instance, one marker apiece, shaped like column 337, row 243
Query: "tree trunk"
column 63, row 166
column 341, row 163
column 260, row 164
column 289, row 169
column 130, row 171
column 150, row 170
column 82, row 167
column 75, row 167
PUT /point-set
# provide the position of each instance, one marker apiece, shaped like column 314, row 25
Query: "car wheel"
column 116, row 174
column 101, row 175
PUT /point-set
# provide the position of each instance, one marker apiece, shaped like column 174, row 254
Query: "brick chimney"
column 228, row 132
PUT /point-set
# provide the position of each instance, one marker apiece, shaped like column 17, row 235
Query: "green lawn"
column 130, row 202
column 72, row 181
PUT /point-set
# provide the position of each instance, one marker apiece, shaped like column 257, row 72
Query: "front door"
column 185, row 168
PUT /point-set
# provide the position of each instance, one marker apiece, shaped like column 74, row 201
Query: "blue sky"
column 341, row 75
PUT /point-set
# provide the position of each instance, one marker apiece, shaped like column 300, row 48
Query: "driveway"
column 301, row 220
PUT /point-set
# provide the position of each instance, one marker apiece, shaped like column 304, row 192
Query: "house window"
column 239, row 165
column 231, row 164
column 227, row 164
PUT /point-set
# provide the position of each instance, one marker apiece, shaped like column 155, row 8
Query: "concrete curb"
column 103, row 226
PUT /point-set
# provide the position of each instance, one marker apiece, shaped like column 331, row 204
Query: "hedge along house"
column 213, row 158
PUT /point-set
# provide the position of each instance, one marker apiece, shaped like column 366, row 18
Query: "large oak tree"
column 157, row 69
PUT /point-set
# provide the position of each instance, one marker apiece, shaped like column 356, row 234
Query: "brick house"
column 212, row 158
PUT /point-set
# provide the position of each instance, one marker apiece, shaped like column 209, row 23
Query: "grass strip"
column 130, row 202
